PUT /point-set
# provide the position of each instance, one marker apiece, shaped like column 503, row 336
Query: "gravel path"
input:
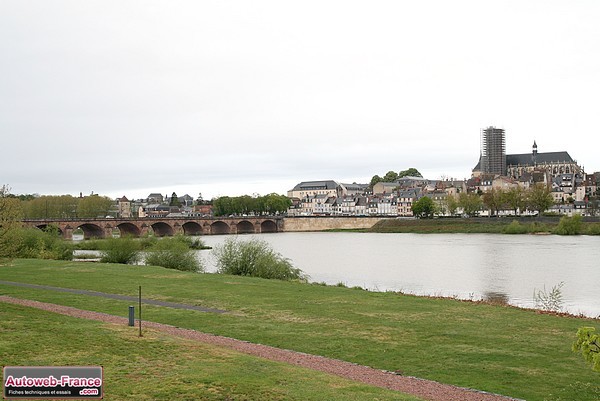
column 426, row 389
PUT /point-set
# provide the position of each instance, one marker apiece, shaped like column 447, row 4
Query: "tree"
column 451, row 204
column 375, row 180
column 539, row 198
column 588, row 344
column 51, row 207
column 174, row 200
column 390, row 176
column 515, row 199
column 10, row 215
column 494, row 200
column 470, row 203
column 94, row 206
column 411, row 172
column 424, row 208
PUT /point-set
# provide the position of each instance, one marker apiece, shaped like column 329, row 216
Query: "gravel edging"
column 426, row 389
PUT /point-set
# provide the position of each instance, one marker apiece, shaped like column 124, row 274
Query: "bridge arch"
column 162, row 229
column 245, row 227
column 268, row 226
column 191, row 228
column 91, row 231
column 129, row 230
column 219, row 227
column 50, row 227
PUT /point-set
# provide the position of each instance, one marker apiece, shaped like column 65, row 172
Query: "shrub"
column 37, row 244
column 569, row 225
column 254, row 258
column 515, row 228
column 123, row 250
column 551, row 301
column 593, row 229
column 173, row 253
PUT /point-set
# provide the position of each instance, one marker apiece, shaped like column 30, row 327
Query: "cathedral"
column 494, row 160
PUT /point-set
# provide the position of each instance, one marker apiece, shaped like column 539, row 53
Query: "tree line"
column 259, row 205
column 392, row 176
column 537, row 198
column 66, row 207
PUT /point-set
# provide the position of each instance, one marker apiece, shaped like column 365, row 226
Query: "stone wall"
column 294, row 224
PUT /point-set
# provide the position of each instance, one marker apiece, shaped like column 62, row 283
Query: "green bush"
column 174, row 253
column 515, row 228
column 593, row 229
column 254, row 258
column 191, row 242
column 37, row 244
column 123, row 250
column 569, row 225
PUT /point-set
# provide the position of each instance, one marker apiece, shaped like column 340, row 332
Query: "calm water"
column 467, row 266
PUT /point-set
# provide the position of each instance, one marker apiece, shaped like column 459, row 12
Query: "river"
column 467, row 266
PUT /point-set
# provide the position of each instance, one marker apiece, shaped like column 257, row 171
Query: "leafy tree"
column 515, row 199
column 375, row 180
column 451, row 204
column 390, row 176
column 411, row 172
column 424, row 208
column 494, row 200
column 51, row 207
column 592, row 205
column 10, row 215
column 174, row 200
column 470, row 203
column 588, row 344
column 246, row 204
column 539, row 198
column 94, row 206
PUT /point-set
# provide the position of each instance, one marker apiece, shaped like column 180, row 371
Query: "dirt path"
column 426, row 389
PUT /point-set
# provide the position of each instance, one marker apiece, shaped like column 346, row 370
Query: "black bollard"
column 132, row 316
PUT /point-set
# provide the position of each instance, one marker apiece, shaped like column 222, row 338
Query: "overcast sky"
column 235, row 97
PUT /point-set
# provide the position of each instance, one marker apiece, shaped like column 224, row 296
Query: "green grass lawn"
column 493, row 348
column 160, row 367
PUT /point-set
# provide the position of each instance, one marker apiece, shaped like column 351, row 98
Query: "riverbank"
column 503, row 350
column 493, row 225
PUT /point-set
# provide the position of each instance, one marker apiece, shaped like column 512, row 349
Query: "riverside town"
column 501, row 184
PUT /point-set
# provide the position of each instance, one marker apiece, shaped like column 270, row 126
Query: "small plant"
column 550, row 301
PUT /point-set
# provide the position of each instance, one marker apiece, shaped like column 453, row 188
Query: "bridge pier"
column 67, row 233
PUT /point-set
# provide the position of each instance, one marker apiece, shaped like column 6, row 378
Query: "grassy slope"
column 498, row 349
column 160, row 367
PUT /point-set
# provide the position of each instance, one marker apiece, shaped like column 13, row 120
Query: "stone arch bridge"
column 166, row 226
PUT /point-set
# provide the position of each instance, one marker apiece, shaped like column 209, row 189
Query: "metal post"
column 132, row 316
column 140, row 311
